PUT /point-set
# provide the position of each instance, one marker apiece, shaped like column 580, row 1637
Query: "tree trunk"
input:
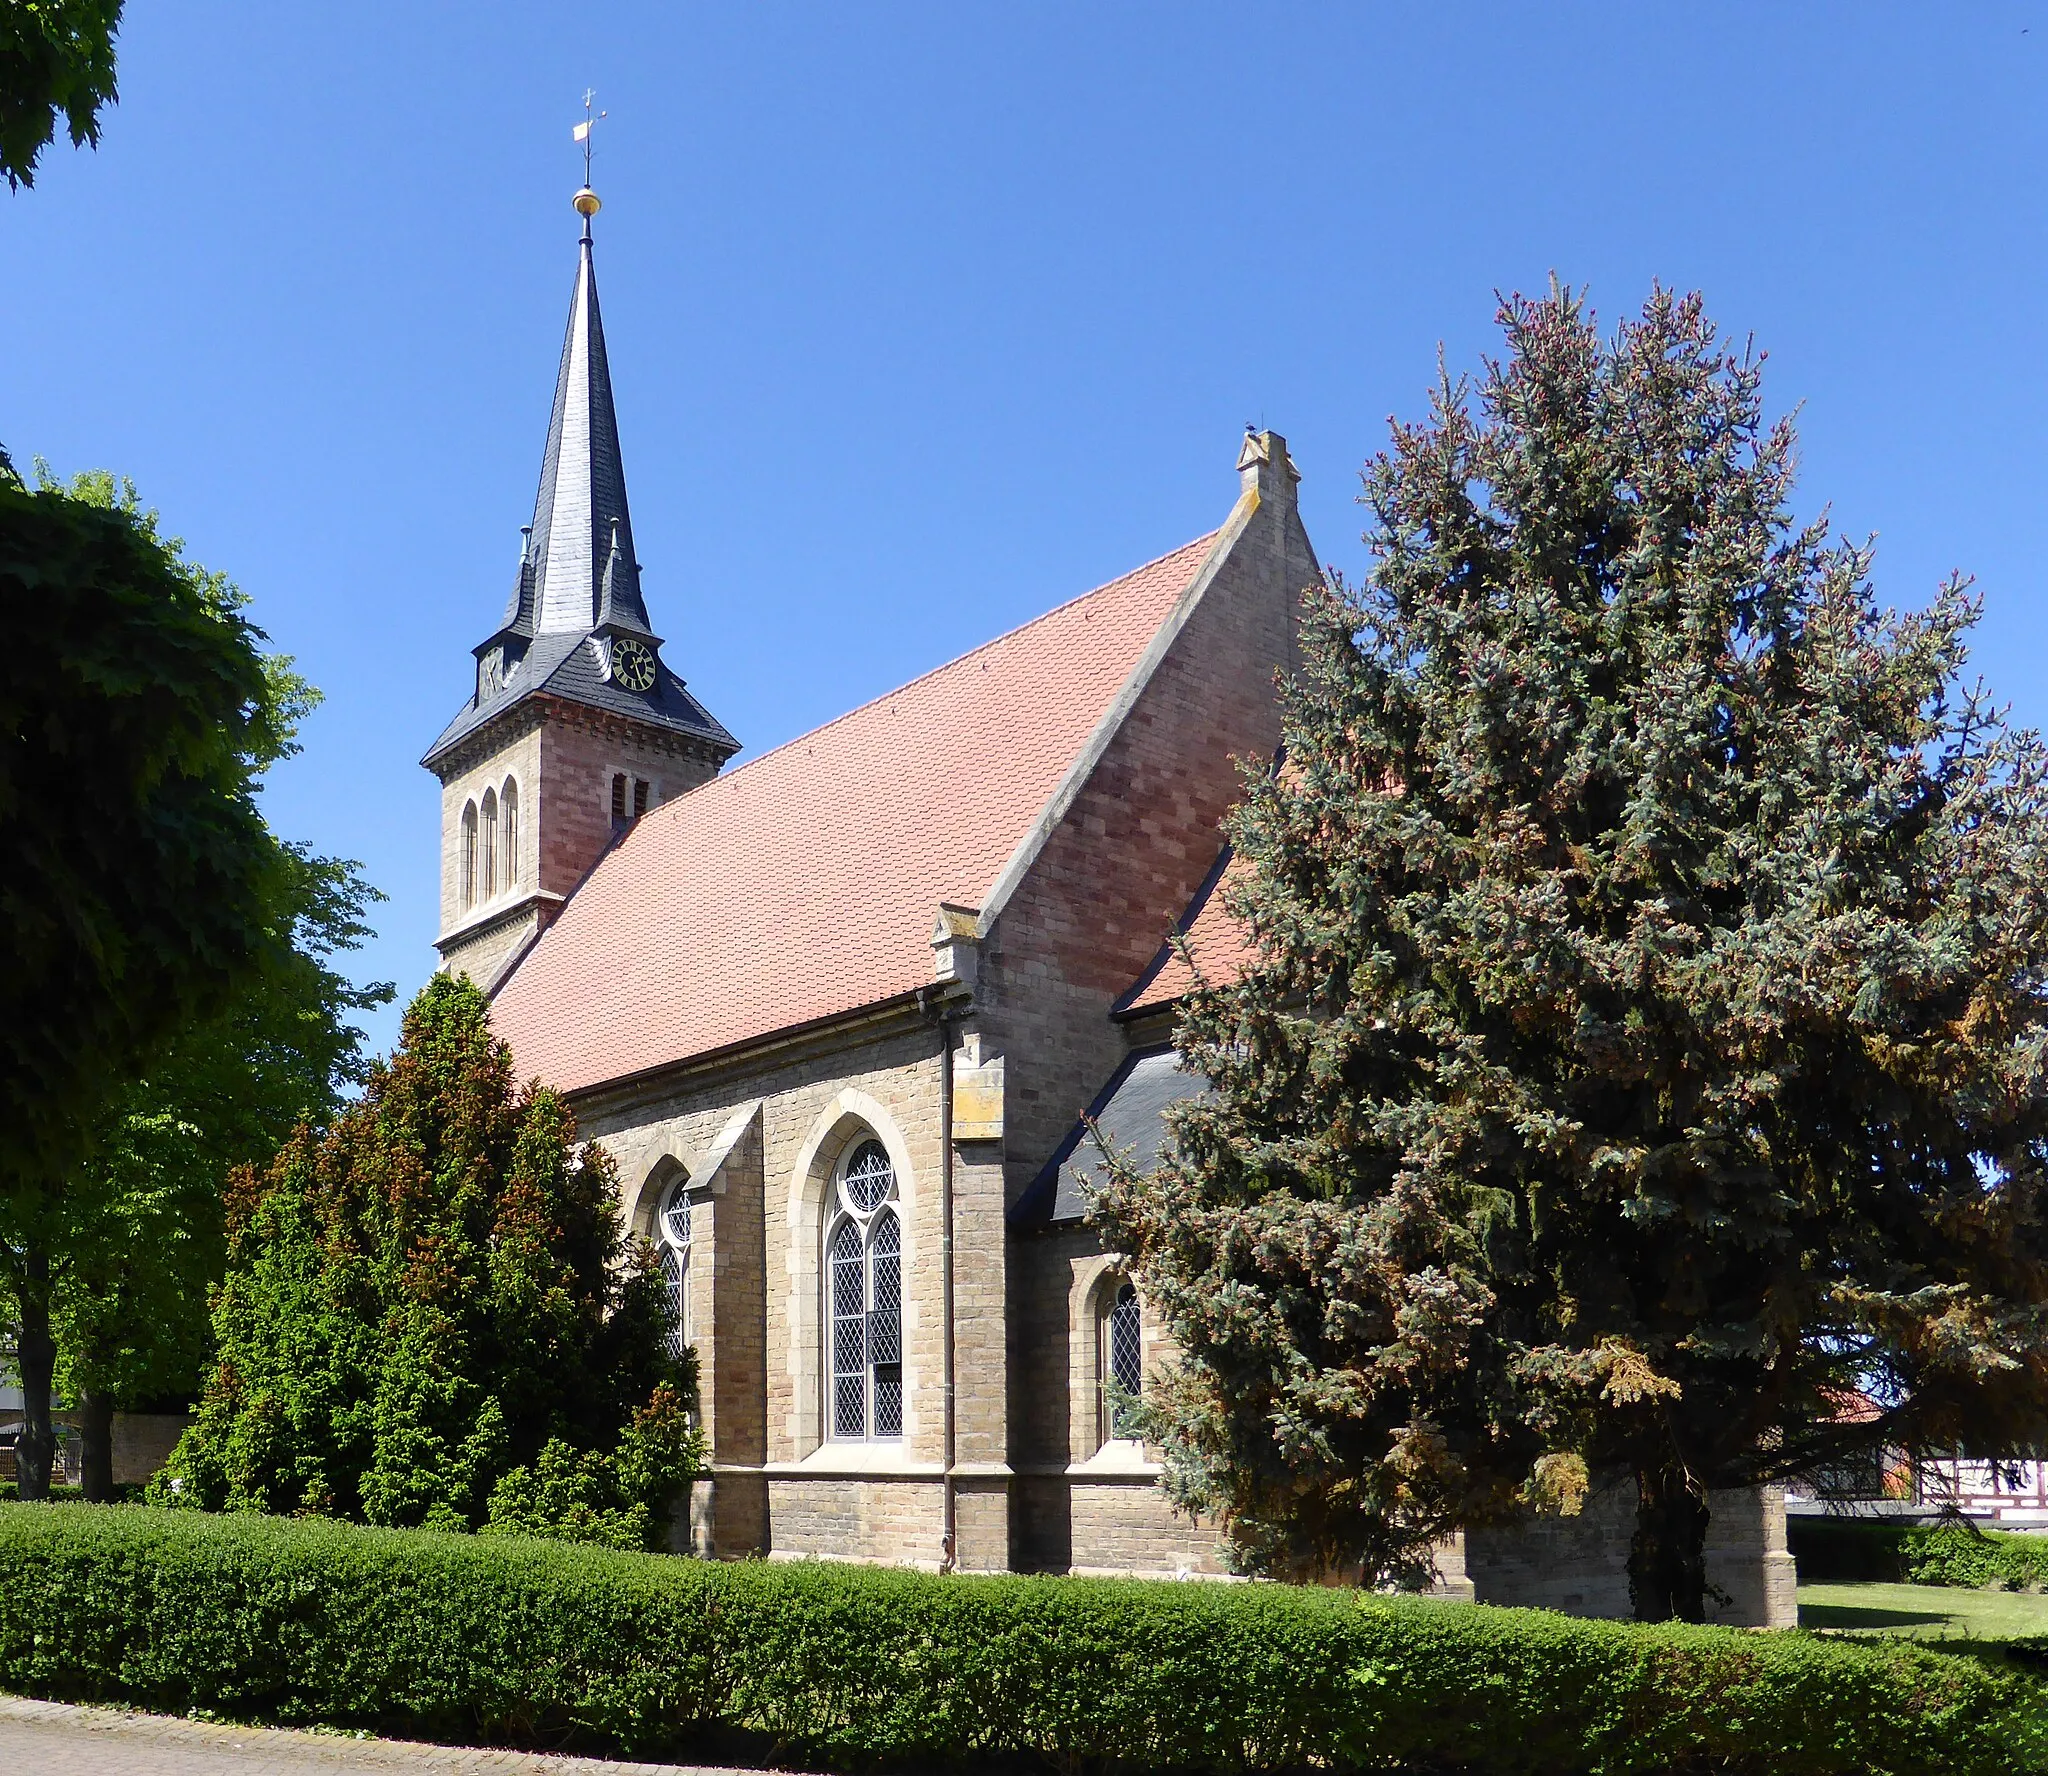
column 96, row 1447
column 1667, row 1561
column 37, row 1355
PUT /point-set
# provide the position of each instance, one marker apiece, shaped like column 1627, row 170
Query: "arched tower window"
column 489, row 818
column 465, row 863
column 1122, row 1361
column 864, row 1297
column 676, row 1229
column 508, row 818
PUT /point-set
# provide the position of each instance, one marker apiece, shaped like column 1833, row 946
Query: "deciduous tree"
column 143, row 1239
column 139, row 872
column 1645, row 1038
column 56, row 62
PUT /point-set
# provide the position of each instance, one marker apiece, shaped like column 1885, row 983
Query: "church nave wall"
column 764, row 1355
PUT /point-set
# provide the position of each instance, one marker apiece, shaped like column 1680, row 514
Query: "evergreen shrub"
column 505, row 1640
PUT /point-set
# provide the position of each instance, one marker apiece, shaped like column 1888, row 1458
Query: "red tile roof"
column 1220, row 945
column 806, row 882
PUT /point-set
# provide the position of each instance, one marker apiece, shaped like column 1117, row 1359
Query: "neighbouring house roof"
column 805, row 883
column 1129, row 1115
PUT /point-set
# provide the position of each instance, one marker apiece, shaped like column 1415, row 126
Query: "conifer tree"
column 1644, row 1042
column 431, row 1316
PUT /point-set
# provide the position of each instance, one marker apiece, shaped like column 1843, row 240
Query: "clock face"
column 632, row 664
column 491, row 675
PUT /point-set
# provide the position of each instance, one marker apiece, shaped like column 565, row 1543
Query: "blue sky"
column 925, row 318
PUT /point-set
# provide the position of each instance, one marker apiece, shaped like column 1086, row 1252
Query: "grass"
column 1923, row 1612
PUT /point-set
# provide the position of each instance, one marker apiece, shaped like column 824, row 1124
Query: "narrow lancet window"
column 465, row 862
column 1123, row 1361
column 508, row 817
column 489, row 818
column 678, row 1232
column 864, row 1298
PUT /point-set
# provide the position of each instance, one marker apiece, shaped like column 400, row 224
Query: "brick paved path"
column 55, row 1739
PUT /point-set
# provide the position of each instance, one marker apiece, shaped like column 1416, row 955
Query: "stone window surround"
column 851, row 1117
column 1096, row 1280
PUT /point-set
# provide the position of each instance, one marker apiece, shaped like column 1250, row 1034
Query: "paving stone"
column 58, row 1739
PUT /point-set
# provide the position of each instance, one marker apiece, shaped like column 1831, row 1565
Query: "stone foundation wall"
column 895, row 1521
column 1579, row 1565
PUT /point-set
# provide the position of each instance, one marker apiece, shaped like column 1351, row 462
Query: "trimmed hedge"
column 483, row 1640
column 125, row 1493
column 1861, row 1550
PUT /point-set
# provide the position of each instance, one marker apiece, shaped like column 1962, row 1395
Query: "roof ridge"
column 761, row 758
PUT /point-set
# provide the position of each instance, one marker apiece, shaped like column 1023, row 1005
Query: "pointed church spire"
column 582, row 498
column 575, row 629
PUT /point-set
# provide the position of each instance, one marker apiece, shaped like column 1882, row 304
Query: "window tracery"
column 676, row 1228
column 864, row 1297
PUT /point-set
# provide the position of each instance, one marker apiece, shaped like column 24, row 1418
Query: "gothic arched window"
column 508, row 818
column 489, row 818
column 1122, row 1361
column 676, row 1228
column 864, row 1297
column 466, row 861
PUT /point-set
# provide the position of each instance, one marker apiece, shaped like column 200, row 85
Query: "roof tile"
column 805, row 883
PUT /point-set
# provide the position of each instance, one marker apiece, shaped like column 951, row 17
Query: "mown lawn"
column 1923, row 1612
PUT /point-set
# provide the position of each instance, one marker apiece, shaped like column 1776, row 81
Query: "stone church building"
column 836, row 1012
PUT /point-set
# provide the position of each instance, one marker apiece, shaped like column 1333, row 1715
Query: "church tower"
column 575, row 725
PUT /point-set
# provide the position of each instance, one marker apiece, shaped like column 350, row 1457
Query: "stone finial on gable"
column 956, row 951
column 1266, row 469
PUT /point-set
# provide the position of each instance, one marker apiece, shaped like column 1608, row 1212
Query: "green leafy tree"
column 431, row 1316
column 1645, row 1039
column 140, row 876
column 56, row 61
column 145, row 1240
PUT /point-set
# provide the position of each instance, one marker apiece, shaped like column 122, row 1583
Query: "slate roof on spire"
column 577, row 570
column 582, row 479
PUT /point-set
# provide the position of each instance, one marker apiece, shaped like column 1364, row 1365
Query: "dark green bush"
column 1860, row 1550
column 1847, row 1550
column 1975, row 1559
column 473, row 1638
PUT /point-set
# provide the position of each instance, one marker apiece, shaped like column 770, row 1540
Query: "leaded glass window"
column 885, row 1324
column 1123, row 1361
column 864, row 1298
column 676, row 1224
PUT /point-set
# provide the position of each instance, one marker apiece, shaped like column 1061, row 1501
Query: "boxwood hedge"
column 499, row 1641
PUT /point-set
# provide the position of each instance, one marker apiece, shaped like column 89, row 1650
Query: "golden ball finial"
column 586, row 203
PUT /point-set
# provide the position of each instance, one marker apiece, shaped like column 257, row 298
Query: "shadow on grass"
column 1845, row 1615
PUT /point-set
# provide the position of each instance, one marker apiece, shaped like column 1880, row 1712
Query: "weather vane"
column 586, row 199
